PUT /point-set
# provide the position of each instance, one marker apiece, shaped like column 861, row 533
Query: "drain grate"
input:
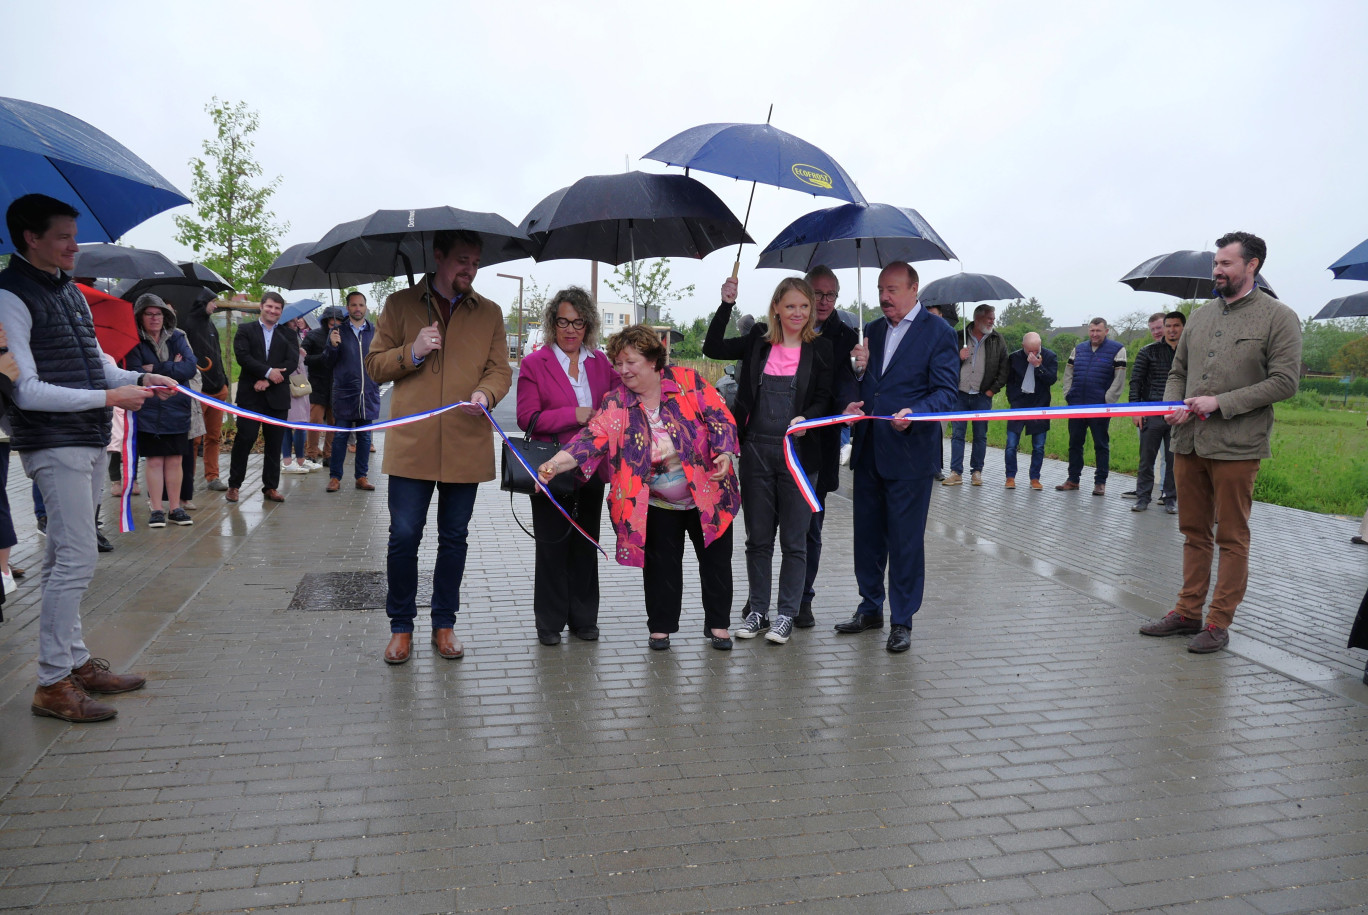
column 340, row 591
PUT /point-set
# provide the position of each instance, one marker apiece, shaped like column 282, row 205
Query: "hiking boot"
column 1210, row 639
column 1174, row 623
column 1011, row 482
column 94, row 676
column 781, row 630
column 156, row 519
column 1100, row 489
column 754, row 625
column 953, row 479
column 975, row 478
column 805, row 619
column 67, row 701
column 179, row 516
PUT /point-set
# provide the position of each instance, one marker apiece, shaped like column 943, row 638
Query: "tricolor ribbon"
column 130, row 448
column 1084, row 411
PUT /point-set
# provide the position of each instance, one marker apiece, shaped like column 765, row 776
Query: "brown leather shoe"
column 1067, row 486
column 273, row 495
column 1100, row 489
column 334, row 484
column 1011, row 482
column 447, row 645
column 363, row 483
column 67, row 701
column 1035, row 485
column 94, row 676
column 399, row 647
column 232, row 494
column 18, row 573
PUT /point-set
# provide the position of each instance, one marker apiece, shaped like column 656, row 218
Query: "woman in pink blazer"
column 559, row 388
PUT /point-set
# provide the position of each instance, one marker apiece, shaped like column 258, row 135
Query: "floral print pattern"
column 701, row 428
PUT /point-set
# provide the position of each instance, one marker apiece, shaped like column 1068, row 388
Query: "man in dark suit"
column 908, row 364
column 845, row 390
column 1031, row 371
column 267, row 354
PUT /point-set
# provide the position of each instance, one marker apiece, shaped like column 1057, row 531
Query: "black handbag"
column 513, row 476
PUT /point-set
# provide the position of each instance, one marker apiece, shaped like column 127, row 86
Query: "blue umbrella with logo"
column 758, row 153
column 46, row 151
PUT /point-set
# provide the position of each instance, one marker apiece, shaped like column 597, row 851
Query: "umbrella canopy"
column 1349, row 306
column 632, row 216
column 1354, row 265
column 45, row 151
column 117, row 262
column 398, row 242
column 967, row 287
column 293, row 270
column 177, row 291
column 299, row 309
column 1185, row 274
column 115, row 327
column 852, row 235
column 206, row 277
column 761, row 153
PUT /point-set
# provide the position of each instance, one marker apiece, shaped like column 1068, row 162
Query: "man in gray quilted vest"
column 60, row 425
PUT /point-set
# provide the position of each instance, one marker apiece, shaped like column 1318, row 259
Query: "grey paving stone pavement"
column 1031, row 753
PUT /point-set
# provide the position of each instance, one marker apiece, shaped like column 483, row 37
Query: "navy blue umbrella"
column 758, row 153
column 1354, row 265
column 299, row 309
column 45, row 151
column 1185, row 274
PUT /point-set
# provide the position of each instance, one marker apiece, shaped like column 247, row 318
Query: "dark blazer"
column 846, row 390
column 249, row 348
column 922, row 376
column 1046, row 374
column 814, row 379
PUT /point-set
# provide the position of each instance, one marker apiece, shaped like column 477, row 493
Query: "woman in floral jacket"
column 672, row 445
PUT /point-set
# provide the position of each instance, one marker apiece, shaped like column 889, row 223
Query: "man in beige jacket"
column 439, row 342
column 1239, row 355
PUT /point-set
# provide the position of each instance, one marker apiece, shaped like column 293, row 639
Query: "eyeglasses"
column 826, row 296
column 576, row 323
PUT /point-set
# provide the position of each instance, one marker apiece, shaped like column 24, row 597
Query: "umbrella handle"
column 736, row 268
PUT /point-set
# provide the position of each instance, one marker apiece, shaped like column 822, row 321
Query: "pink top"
column 783, row 360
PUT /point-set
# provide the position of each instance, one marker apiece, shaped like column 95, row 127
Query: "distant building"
column 614, row 316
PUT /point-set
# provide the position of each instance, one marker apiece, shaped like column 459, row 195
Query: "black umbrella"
column 948, row 291
column 1349, row 306
column 1185, row 274
column 118, row 262
column 396, row 242
column 176, row 291
column 293, row 270
column 631, row 216
column 206, row 277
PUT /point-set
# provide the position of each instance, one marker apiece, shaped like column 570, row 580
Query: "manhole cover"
column 340, row 591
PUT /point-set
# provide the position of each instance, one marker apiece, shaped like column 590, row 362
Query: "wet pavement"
column 1031, row 753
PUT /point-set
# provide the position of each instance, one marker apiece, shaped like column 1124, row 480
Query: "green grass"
column 1319, row 463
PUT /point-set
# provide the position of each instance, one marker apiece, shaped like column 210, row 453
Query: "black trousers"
column 1154, row 433
column 770, row 499
column 663, row 575
column 247, row 431
column 565, row 590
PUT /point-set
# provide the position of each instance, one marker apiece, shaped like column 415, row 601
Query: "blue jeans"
column 293, row 437
column 1100, row 427
column 1014, row 429
column 409, row 500
column 980, row 447
column 338, row 460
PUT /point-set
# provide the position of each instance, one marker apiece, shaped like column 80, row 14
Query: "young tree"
column 381, row 290
column 1029, row 312
column 234, row 230
column 1129, row 324
column 654, row 291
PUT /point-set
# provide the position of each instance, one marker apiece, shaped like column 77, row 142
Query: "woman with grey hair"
column 163, row 430
column 559, row 388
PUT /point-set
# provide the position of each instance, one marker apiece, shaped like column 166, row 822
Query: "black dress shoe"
column 659, row 644
column 102, row 543
column 859, row 622
column 899, row 638
column 805, row 619
column 549, row 638
column 588, row 633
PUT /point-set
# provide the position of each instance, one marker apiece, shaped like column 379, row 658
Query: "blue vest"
column 65, row 353
column 1092, row 372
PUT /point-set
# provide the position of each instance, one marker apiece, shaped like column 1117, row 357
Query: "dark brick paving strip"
column 1030, row 754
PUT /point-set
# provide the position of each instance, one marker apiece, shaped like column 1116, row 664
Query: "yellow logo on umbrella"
column 809, row 174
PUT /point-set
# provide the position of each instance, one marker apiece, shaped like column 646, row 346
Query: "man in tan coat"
column 439, row 342
column 1239, row 355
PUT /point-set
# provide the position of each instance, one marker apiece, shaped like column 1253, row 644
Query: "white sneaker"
column 10, row 586
column 845, row 453
column 312, row 465
column 294, row 468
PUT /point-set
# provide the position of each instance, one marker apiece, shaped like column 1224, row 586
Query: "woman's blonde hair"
column 776, row 328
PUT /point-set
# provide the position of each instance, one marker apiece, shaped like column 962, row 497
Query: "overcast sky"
column 1056, row 145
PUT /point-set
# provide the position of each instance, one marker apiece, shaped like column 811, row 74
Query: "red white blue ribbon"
column 128, row 455
column 130, row 451
column 1084, row 411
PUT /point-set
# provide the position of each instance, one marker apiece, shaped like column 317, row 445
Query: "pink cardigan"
column 543, row 386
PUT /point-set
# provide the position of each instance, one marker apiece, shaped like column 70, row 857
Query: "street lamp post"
column 509, row 276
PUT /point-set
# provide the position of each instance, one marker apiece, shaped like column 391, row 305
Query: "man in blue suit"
column 908, row 364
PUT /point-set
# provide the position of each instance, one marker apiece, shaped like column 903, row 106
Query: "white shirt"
column 896, row 332
column 583, row 396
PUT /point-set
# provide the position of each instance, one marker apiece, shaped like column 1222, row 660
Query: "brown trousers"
column 324, row 416
column 213, row 436
column 1214, row 494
